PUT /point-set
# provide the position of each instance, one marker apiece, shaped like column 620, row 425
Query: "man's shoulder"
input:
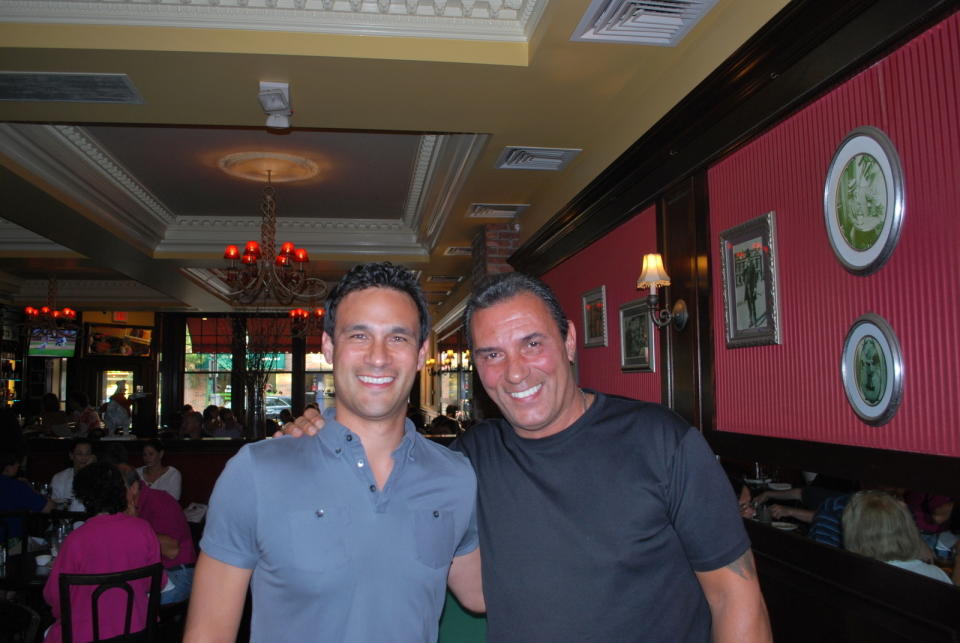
column 643, row 413
column 439, row 455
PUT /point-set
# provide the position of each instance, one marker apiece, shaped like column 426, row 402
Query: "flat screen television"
column 47, row 344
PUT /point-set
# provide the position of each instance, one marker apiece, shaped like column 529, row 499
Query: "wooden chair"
column 104, row 582
column 18, row 623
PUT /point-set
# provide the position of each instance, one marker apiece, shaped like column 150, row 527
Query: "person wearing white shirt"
column 61, row 485
column 155, row 474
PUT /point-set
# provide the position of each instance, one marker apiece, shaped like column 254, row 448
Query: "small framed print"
column 863, row 200
column 748, row 257
column 872, row 369
column 637, row 345
column 594, row 304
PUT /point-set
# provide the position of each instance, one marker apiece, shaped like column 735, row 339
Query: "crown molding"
column 454, row 160
column 491, row 20
column 73, row 163
column 19, row 241
column 85, row 293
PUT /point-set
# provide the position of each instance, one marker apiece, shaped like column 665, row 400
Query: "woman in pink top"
column 113, row 540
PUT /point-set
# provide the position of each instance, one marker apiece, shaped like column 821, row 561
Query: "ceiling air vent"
column 641, row 22
column 535, row 158
column 458, row 251
column 496, row 210
column 68, row 87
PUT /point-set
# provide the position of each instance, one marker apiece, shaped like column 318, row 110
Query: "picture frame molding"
column 594, row 295
column 638, row 307
column 764, row 227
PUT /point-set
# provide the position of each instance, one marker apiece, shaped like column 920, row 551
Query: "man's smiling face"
column 375, row 354
column 524, row 365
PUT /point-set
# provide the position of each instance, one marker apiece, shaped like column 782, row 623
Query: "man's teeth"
column 375, row 380
column 530, row 391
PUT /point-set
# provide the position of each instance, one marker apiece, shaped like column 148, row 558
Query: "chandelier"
column 264, row 273
column 49, row 321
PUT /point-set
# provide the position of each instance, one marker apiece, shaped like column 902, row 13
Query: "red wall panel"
column 794, row 390
column 614, row 262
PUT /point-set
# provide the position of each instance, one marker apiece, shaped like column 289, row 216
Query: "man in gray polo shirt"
column 350, row 538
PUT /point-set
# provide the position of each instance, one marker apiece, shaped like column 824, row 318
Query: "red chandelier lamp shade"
column 252, row 248
column 231, row 252
column 300, row 255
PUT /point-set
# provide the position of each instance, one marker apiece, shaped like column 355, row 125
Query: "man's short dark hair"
column 497, row 288
column 377, row 275
column 78, row 441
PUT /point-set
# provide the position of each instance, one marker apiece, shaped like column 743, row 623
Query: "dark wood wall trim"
column 872, row 601
column 806, row 49
column 918, row 471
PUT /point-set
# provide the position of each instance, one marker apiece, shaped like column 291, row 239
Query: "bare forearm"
column 736, row 603
column 466, row 583
column 216, row 602
column 169, row 546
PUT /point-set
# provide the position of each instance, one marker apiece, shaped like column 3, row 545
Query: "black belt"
column 179, row 567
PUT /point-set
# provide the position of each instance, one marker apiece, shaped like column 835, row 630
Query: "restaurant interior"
column 733, row 200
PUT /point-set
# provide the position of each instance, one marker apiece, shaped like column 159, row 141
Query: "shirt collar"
column 334, row 435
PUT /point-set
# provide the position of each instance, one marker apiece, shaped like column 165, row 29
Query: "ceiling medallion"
column 282, row 168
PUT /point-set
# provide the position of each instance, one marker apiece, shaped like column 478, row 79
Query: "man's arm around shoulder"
column 736, row 603
column 465, row 581
column 216, row 601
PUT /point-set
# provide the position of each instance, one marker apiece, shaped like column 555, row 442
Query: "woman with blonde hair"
column 877, row 525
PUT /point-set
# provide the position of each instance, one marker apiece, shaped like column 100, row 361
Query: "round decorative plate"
column 863, row 201
column 872, row 369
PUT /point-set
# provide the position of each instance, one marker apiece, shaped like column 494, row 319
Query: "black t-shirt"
column 594, row 534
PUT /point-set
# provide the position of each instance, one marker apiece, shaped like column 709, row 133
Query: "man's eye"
column 399, row 338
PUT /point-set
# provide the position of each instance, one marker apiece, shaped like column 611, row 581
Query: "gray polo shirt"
column 333, row 557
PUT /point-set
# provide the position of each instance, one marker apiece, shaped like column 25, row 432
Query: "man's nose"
column 517, row 370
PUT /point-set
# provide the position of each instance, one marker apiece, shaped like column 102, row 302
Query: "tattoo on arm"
column 744, row 566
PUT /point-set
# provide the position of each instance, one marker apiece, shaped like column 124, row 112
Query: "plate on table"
column 756, row 481
column 785, row 526
column 779, row 486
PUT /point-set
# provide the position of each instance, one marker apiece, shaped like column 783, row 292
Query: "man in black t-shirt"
column 600, row 518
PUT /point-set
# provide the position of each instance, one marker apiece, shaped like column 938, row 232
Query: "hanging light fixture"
column 262, row 272
column 49, row 321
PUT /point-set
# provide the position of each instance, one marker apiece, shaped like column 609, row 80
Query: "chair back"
column 18, row 623
column 112, row 581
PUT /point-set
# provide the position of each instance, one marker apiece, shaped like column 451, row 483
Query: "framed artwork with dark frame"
column 863, row 201
column 594, row 304
column 872, row 369
column 103, row 340
column 637, row 337
column 748, row 255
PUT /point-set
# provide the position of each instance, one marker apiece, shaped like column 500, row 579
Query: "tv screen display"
column 47, row 344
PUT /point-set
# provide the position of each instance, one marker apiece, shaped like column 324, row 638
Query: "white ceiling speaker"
column 275, row 100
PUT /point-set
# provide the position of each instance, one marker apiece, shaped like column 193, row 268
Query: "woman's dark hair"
column 496, row 288
column 50, row 402
column 80, row 400
column 377, row 275
column 100, row 487
column 155, row 443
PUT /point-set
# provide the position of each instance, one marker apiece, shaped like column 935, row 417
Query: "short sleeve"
column 175, row 483
column 703, row 508
column 230, row 534
column 470, row 539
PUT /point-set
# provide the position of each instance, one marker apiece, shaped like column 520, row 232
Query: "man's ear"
column 570, row 343
column 422, row 355
column 326, row 345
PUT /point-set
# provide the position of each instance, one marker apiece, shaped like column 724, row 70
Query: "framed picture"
column 637, row 337
column 594, row 304
column 748, row 254
column 863, row 200
column 118, row 341
column 872, row 369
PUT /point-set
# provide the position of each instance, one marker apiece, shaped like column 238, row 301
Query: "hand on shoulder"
column 309, row 423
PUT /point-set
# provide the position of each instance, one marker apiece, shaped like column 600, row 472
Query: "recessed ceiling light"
column 256, row 166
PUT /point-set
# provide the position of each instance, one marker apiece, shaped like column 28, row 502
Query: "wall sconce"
column 653, row 275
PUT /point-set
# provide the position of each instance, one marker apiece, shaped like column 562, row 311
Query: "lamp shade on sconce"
column 653, row 274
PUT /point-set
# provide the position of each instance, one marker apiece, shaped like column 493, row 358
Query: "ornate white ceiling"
column 501, row 20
